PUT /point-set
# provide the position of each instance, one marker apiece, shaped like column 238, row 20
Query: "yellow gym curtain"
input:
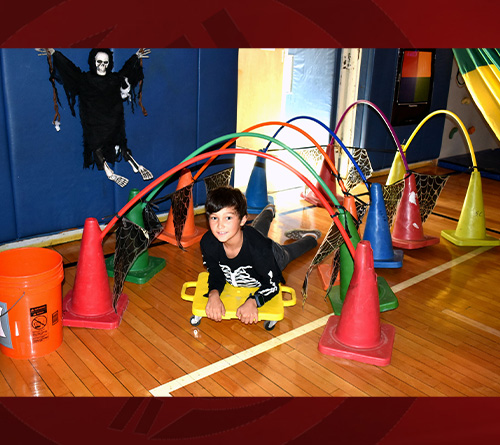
column 480, row 69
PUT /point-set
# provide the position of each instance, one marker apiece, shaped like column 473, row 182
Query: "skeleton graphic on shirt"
column 241, row 278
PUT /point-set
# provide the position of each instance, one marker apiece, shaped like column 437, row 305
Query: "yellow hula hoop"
column 460, row 124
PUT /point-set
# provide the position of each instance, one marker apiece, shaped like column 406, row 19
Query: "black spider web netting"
column 218, row 179
column 392, row 194
column 429, row 187
column 131, row 241
column 314, row 158
column 181, row 200
column 361, row 209
column 353, row 178
column 180, row 206
column 330, row 245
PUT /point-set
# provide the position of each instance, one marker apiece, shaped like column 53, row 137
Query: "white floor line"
column 471, row 322
column 418, row 278
column 166, row 389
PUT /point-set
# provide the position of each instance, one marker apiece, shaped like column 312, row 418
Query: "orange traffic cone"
column 329, row 180
column 407, row 232
column 357, row 333
column 326, row 270
column 191, row 234
column 89, row 304
column 471, row 227
column 325, row 273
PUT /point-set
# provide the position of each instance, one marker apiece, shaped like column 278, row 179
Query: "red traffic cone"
column 191, row 234
column 89, row 304
column 407, row 232
column 329, row 180
column 357, row 333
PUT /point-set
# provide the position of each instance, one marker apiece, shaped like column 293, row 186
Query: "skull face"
column 101, row 63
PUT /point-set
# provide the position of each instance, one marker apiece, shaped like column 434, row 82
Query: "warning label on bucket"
column 39, row 323
column 39, row 310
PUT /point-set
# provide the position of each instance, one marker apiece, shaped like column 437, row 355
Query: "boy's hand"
column 215, row 309
column 247, row 312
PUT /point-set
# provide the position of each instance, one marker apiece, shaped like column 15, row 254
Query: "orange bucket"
column 30, row 302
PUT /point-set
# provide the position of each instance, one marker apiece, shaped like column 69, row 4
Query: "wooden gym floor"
column 447, row 340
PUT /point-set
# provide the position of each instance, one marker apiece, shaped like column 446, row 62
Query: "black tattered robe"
column 100, row 105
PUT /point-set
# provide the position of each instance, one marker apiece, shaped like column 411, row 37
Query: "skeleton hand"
column 45, row 51
column 145, row 173
column 125, row 92
column 112, row 176
column 142, row 53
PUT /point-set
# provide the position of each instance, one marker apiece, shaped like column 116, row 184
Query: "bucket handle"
column 12, row 307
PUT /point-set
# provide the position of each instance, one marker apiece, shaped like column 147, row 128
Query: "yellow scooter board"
column 233, row 297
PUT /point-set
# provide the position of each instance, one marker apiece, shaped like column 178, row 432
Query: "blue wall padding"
column 167, row 135
column 7, row 214
column 219, row 104
column 44, row 186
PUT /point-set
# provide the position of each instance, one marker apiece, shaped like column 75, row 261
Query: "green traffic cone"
column 145, row 266
column 337, row 294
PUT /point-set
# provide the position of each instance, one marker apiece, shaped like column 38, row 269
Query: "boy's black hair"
column 226, row 196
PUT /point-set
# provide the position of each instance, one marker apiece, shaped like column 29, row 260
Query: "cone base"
column 311, row 198
column 257, row 209
column 325, row 273
column 140, row 276
column 386, row 297
column 379, row 356
column 186, row 241
column 110, row 320
column 415, row 244
column 452, row 237
column 394, row 263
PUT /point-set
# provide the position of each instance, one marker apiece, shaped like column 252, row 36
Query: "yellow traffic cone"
column 471, row 227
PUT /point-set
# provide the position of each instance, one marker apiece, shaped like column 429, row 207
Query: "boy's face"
column 226, row 224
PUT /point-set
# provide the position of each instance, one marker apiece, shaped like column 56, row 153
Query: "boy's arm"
column 216, row 278
column 248, row 312
column 215, row 309
column 268, row 289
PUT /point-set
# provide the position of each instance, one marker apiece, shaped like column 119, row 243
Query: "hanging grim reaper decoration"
column 101, row 93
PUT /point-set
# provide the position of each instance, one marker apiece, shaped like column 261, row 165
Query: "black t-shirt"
column 254, row 266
